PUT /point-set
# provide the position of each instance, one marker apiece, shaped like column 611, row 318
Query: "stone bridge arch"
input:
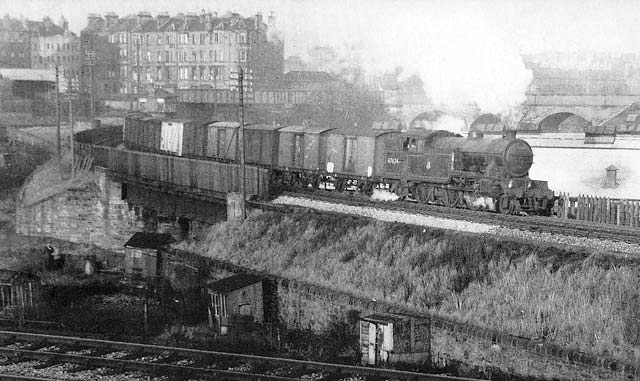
column 563, row 120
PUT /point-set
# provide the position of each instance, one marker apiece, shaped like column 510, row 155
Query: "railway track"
column 76, row 354
column 536, row 224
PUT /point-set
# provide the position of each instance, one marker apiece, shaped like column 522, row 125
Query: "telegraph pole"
column 59, row 147
column 241, row 138
column 138, row 69
column 73, row 159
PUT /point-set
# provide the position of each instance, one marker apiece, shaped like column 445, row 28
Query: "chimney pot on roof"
column 111, row 19
column 271, row 21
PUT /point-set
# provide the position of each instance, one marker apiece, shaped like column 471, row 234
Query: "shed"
column 303, row 147
column 159, row 100
column 390, row 338
column 18, row 289
column 143, row 253
column 354, row 150
column 237, row 297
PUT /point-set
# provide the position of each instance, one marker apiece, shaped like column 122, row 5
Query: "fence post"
column 618, row 213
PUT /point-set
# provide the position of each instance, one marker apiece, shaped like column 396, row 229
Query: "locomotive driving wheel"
column 421, row 194
column 441, row 196
column 455, row 198
column 505, row 205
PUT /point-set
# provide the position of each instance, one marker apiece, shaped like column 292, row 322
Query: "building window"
column 194, row 73
column 219, row 304
column 242, row 38
column 148, row 57
column 216, row 37
column 193, row 39
column 148, row 74
column 201, row 56
column 202, row 37
column 242, row 55
column 194, row 57
column 221, row 142
column 210, row 55
column 159, row 72
column 159, row 39
column 146, row 39
column 159, row 57
column 202, row 72
column 219, row 56
column 168, row 39
column 166, row 56
column 184, row 38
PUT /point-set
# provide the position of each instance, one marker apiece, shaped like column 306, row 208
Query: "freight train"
column 435, row 167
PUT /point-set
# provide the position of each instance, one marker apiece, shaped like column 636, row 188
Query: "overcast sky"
column 464, row 49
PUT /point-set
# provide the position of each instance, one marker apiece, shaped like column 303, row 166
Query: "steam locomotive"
column 436, row 167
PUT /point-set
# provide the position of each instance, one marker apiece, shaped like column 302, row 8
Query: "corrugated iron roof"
column 306, row 129
column 262, row 127
column 37, row 75
column 146, row 240
column 233, row 283
column 224, row 124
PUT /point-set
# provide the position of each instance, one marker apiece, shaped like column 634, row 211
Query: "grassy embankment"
column 584, row 301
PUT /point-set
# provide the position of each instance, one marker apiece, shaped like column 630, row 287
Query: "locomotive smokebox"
column 475, row 134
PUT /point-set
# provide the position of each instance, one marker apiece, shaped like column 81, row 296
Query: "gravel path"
column 595, row 245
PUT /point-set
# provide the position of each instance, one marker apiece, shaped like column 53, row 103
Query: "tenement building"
column 138, row 53
column 55, row 45
column 14, row 43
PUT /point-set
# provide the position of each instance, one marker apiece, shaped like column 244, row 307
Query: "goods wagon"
column 301, row 147
column 222, row 140
column 356, row 152
column 203, row 177
column 261, row 144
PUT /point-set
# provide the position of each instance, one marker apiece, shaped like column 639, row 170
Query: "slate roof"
column 393, row 125
column 146, row 240
column 15, row 25
column 12, row 277
column 233, row 283
column 625, row 122
column 308, row 76
column 488, row 123
column 28, row 75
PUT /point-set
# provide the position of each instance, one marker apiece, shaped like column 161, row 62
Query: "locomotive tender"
column 436, row 167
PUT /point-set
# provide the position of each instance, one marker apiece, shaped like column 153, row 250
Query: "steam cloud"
column 459, row 54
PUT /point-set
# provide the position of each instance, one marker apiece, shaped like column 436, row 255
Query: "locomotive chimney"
column 475, row 134
column 509, row 134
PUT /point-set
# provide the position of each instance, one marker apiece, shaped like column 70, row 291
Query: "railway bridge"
column 571, row 113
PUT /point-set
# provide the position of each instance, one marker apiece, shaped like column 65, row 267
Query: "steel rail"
column 529, row 223
column 196, row 353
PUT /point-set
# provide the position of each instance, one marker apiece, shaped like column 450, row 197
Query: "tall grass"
column 536, row 291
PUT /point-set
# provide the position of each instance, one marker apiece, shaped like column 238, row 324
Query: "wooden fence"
column 600, row 209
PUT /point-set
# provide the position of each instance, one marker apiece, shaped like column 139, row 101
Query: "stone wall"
column 92, row 213
column 471, row 350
